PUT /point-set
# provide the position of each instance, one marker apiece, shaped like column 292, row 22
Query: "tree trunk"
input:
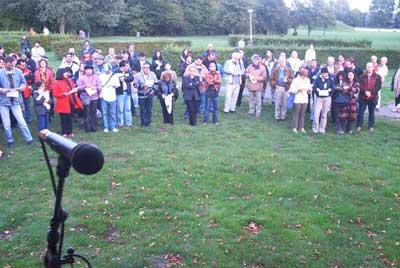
column 308, row 30
column 62, row 25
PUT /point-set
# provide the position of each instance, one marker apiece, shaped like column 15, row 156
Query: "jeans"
column 27, row 111
column 212, row 105
column 43, row 121
column 134, row 103
column 203, row 98
column 91, row 116
column 5, row 117
column 146, row 106
column 108, row 111
column 124, row 109
column 371, row 113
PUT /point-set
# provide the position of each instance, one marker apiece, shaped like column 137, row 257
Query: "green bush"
column 277, row 41
column 59, row 48
column 361, row 55
column 11, row 40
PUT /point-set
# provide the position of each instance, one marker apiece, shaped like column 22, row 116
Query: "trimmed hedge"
column 59, row 48
column 11, row 40
column 277, row 41
column 361, row 55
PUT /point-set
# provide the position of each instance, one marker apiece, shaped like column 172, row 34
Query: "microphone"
column 85, row 158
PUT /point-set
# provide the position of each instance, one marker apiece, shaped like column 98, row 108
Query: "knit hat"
column 324, row 70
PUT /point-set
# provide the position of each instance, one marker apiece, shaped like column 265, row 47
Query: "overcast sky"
column 362, row 5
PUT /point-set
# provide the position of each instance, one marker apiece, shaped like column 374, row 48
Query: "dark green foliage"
column 381, row 13
column 271, row 17
column 59, row 48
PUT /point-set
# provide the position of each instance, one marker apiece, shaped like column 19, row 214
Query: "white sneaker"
column 294, row 130
column 105, row 130
column 314, row 130
column 115, row 130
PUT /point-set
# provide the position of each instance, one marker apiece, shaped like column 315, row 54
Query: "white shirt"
column 295, row 64
column 37, row 53
column 300, row 83
column 383, row 72
column 108, row 89
column 310, row 55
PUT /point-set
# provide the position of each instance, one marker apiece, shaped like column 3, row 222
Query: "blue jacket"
column 322, row 84
column 19, row 82
column 191, row 89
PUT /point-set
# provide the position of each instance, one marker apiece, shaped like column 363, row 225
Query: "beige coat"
column 256, row 77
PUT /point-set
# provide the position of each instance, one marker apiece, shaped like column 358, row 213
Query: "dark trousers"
column 168, row 117
column 146, row 106
column 193, row 108
column 66, row 124
column 371, row 104
column 298, row 115
column 397, row 100
column 242, row 86
column 90, row 116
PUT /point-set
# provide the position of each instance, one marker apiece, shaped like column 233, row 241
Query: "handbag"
column 342, row 100
column 290, row 101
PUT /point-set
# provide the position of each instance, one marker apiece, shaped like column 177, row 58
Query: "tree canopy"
column 190, row 17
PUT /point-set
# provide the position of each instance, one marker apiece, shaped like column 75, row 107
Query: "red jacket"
column 63, row 103
column 29, row 81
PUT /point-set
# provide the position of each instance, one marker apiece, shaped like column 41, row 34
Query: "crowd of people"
column 116, row 86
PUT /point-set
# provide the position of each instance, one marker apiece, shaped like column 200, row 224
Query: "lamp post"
column 250, row 11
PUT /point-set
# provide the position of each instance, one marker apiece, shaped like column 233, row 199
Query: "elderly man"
column 145, row 82
column 233, row 74
column 281, row 78
column 370, row 85
column 70, row 62
column 12, row 83
column 257, row 73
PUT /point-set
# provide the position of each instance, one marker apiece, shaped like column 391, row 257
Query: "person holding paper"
column 323, row 89
column 145, row 81
column 168, row 94
column 42, row 105
column 67, row 100
column 90, row 87
column 12, row 83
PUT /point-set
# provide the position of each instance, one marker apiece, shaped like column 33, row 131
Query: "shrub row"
column 277, row 41
column 361, row 55
column 59, row 48
column 11, row 40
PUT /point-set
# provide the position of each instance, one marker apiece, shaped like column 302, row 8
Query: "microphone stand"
column 55, row 236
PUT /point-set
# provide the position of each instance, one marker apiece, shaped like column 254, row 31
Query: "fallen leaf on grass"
column 253, row 228
column 385, row 261
column 292, row 226
column 371, row 234
column 96, row 252
column 173, row 260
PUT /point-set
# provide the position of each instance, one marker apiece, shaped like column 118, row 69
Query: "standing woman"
column 301, row 87
column 396, row 91
column 168, row 95
column 158, row 64
column 89, row 86
column 44, row 75
column 65, row 92
column 347, row 114
column 191, row 94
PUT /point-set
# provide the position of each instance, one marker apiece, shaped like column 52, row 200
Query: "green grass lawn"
column 322, row 200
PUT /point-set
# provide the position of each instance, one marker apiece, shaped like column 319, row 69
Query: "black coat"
column 191, row 88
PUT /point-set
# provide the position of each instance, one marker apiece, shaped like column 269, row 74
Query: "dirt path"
column 386, row 111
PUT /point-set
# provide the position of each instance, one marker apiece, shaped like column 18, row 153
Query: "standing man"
column 281, row 78
column 257, row 74
column 270, row 63
column 370, row 85
column 243, row 65
column 12, row 83
column 233, row 74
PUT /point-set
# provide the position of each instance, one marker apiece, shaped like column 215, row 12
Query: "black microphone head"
column 87, row 159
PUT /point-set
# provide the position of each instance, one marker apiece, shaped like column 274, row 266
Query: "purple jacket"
column 92, row 81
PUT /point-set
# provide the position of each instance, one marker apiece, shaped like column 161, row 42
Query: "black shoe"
column 10, row 145
column 232, row 112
